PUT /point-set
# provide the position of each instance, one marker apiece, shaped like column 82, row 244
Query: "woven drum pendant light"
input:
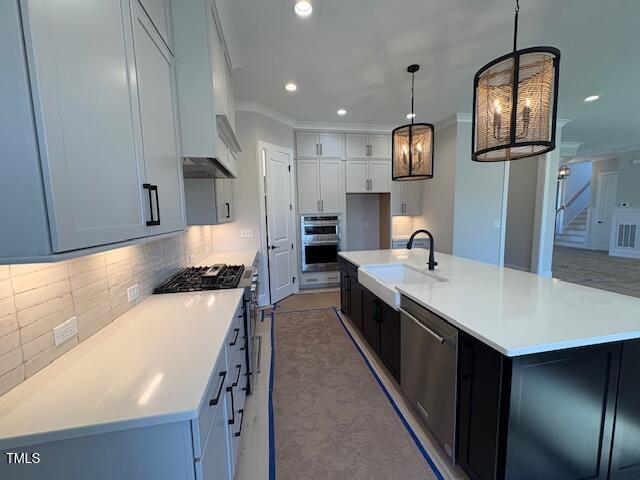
column 412, row 146
column 515, row 104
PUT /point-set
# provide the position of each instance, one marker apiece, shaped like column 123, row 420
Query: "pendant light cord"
column 413, row 114
column 515, row 29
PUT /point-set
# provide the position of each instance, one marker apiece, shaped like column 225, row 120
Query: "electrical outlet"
column 248, row 233
column 133, row 292
column 65, row 331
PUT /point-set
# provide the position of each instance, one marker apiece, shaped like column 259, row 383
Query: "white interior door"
column 280, row 222
column 606, row 200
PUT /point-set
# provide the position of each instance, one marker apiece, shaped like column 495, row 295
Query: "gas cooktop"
column 195, row 279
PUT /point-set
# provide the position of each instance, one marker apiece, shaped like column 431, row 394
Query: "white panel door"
column 331, row 191
column 380, row 146
column 380, row 176
column 280, row 224
column 79, row 71
column 412, row 197
column 356, row 145
column 397, row 198
column 308, row 177
column 307, row 145
column 156, row 97
column 330, row 145
column 605, row 204
column 357, row 180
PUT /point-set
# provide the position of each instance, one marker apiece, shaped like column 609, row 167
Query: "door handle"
column 214, row 401
column 273, row 247
column 600, row 221
column 228, row 210
column 152, row 189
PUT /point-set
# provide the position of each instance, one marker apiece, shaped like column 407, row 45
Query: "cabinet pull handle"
column 214, row 401
column 152, row 189
column 320, row 149
column 322, row 205
column 318, row 205
column 235, row 339
column 228, row 210
column 317, row 149
column 235, row 384
column 233, row 407
column 239, row 432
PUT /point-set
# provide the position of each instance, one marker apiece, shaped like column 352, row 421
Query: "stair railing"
column 560, row 210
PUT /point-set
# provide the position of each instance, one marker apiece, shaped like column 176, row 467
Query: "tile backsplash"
column 402, row 226
column 34, row 298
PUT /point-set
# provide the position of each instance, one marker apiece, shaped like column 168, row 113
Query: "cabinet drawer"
column 320, row 278
column 214, row 463
column 214, row 401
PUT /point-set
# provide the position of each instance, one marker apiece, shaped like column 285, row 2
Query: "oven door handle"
column 322, row 242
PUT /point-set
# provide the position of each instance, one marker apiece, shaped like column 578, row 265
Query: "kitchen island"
column 546, row 383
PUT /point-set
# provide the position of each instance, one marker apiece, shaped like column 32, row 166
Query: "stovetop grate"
column 195, row 279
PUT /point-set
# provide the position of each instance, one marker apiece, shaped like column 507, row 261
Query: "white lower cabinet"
column 406, row 197
column 319, row 279
column 214, row 463
column 368, row 176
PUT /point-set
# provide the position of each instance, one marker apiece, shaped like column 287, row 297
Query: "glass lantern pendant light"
column 515, row 104
column 412, row 146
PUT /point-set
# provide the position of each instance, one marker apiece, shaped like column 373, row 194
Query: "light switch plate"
column 65, row 331
column 133, row 292
column 248, row 233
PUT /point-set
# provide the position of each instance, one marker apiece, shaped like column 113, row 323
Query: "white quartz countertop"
column 242, row 257
column 516, row 313
column 149, row 366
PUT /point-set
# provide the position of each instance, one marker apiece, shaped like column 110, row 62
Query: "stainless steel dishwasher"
column 429, row 369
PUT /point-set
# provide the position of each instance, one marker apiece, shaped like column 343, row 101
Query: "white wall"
column 629, row 180
column 251, row 127
column 479, row 188
column 521, row 205
column 438, row 193
column 363, row 224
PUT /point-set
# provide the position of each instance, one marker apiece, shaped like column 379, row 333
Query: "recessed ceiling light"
column 303, row 8
column 342, row 111
column 291, row 87
column 592, row 98
column 411, row 115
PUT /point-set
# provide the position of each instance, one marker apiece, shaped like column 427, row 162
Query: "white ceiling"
column 353, row 54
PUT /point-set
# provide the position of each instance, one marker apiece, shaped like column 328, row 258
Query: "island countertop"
column 150, row 366
column 514, row 312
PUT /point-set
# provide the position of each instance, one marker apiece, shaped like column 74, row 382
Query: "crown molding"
column 458, row 117
column 292, row 122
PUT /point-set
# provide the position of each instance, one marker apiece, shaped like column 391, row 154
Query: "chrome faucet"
column 432, row 261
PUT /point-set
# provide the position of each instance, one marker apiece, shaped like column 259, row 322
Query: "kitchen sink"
column 384, row 280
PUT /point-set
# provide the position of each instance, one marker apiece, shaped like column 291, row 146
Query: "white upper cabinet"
column 204, row 84
column 224, row 200
column 380, row 146
column 319, row 145
column 307, row 144
column 406, row 197
column 331, row 187
column 104, row 113
column 156, row 97
column 368, row 176
column 320, row 186
column 360, row 145
column 85, row 124
column 308, row 176
column 379, row 176
column 158, row 11
column 357, row 145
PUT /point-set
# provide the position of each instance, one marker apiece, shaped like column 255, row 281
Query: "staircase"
column 575, row 233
